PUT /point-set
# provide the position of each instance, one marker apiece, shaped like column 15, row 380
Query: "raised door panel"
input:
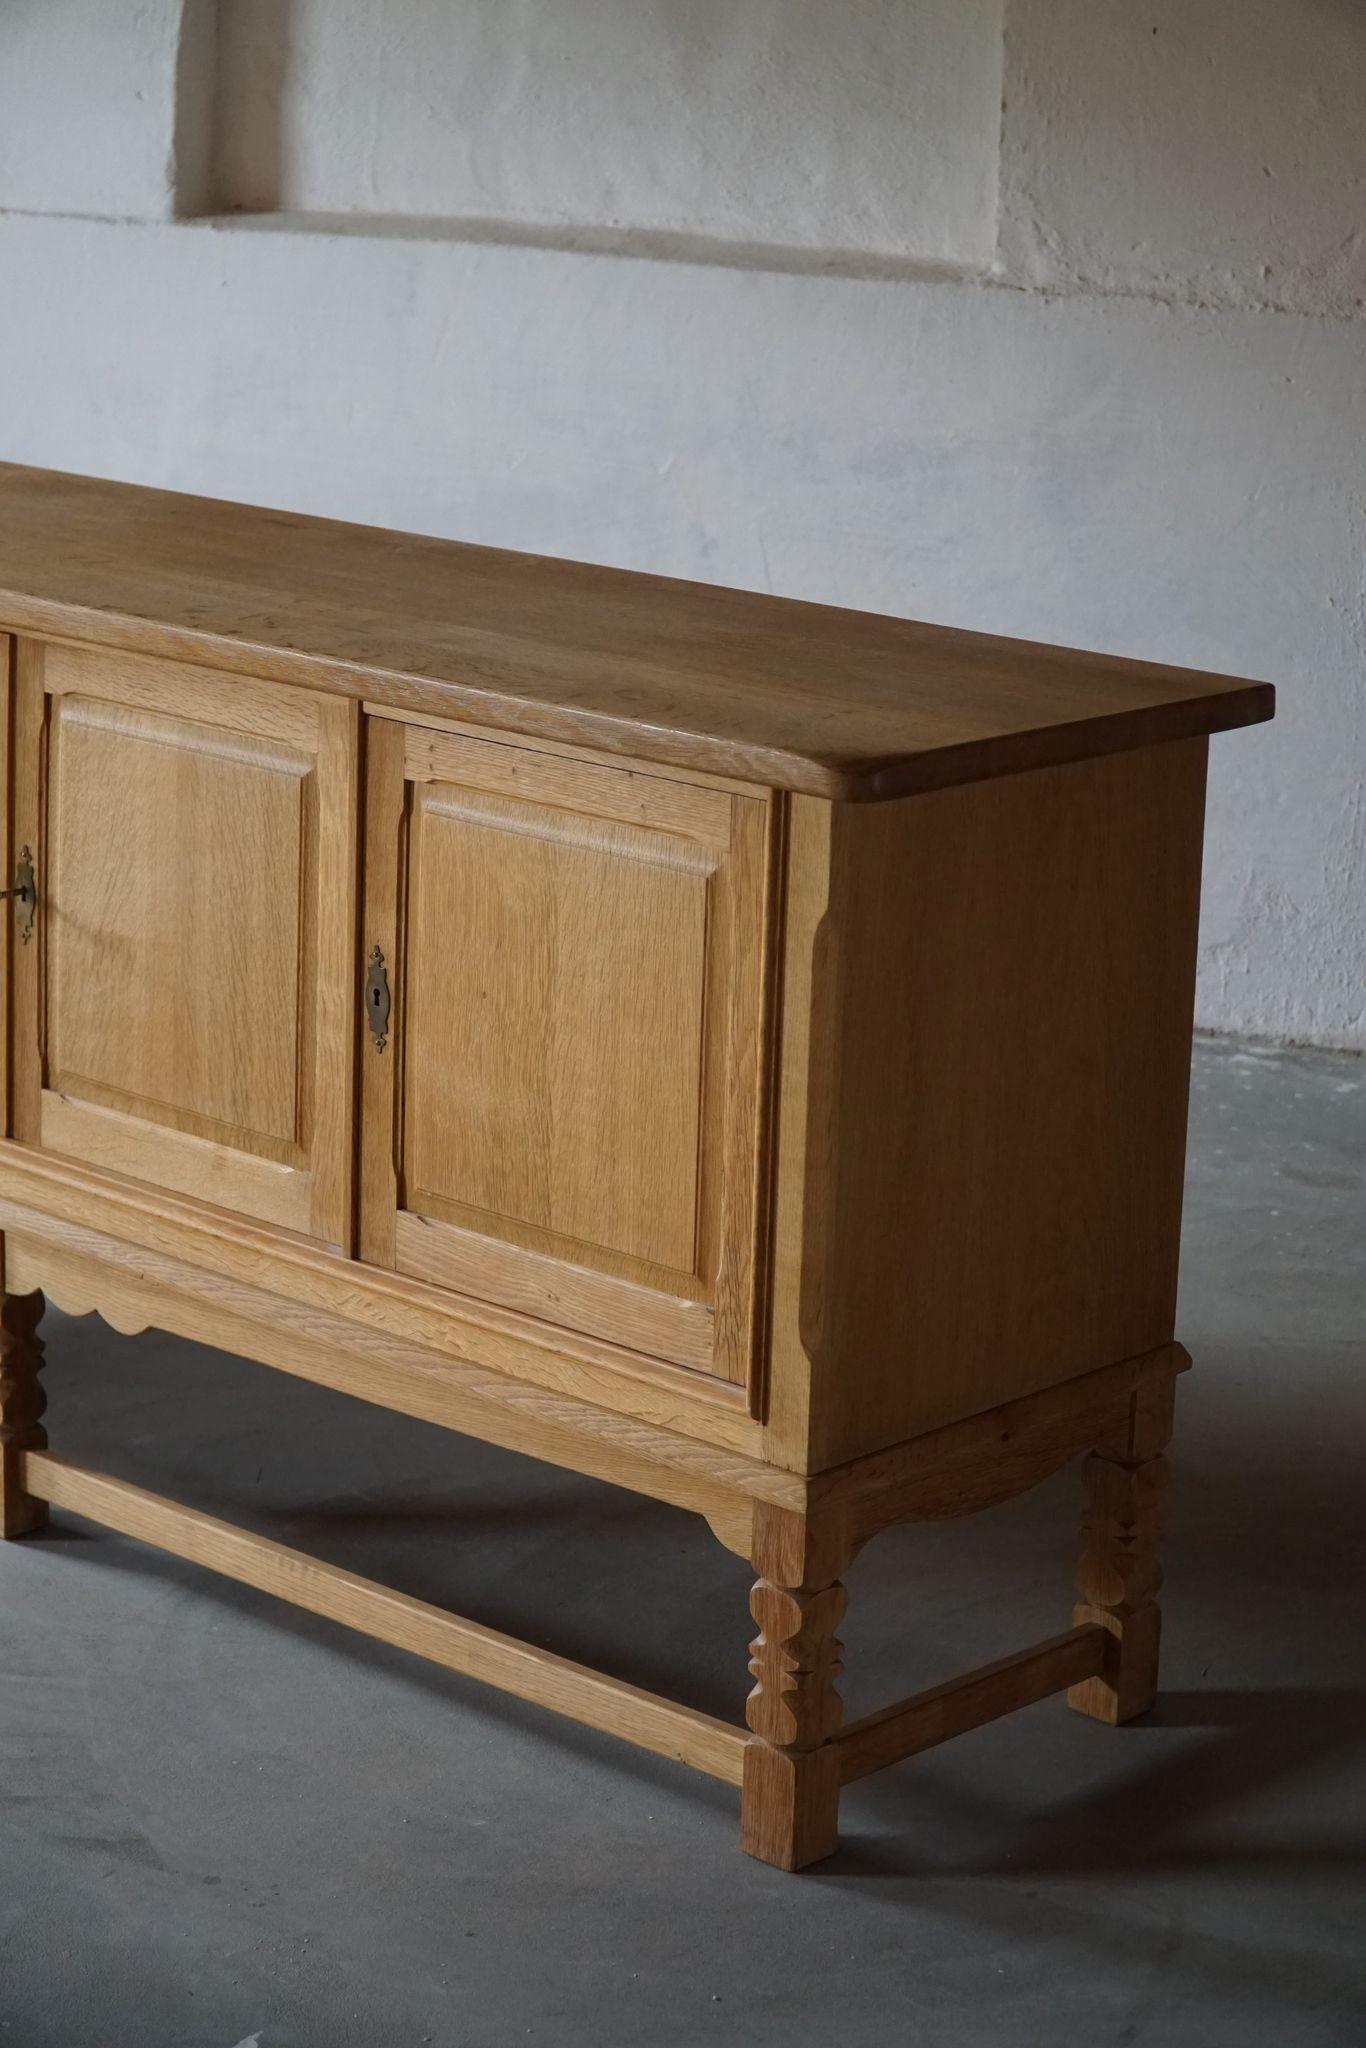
column 532, row 1102
column 566, row 1119
column 156, row 967
column 184, row 1015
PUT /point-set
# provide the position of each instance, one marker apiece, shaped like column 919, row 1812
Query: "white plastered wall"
column 1048, row 319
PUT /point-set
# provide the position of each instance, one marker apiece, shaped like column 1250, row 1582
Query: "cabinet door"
column 184, row 1008
column 563, row 1116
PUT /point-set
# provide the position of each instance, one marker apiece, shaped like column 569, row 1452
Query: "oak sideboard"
column 732, row 1047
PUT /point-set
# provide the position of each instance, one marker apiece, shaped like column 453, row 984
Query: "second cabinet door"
column 565, row 972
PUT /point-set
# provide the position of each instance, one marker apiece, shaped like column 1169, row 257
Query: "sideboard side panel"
column 1013, row 1004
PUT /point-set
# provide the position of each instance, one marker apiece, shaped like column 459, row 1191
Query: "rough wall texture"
column 1141, row 425
column 871, row 125
column 1188, row 149
column 104, row 107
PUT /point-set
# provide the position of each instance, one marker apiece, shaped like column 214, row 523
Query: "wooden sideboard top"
column 839, row 704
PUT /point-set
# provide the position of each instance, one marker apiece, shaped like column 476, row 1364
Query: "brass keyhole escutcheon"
column 24, row 893
column 377, row 1000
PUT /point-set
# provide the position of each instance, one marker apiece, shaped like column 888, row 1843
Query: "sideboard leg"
column 22, row 1402
column 1120, row 1574
column 789, row 1800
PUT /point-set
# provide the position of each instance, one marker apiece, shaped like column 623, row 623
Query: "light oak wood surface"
column 156, row 971
column 733, row 1049
column 468, row 1647
column 135, row 1290
column 471, row 1331
column 980, row 1175
column 839, row 704
column 937, row 1715
column 555, row 988
column 798, row 1754
column 184, row 1013
column 565, row 1118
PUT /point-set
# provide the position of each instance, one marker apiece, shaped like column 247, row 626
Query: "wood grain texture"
column 557, row 970
column 255, row 709
column 989, row 1458
column 803, row 1147
column 955, row 1708
column 383, row 917
column 795, row 1663
column 789, row 1804
column 9, row 851
column 558, row 1291
column 331, row 970
column 52, row 1191
column 1119, row 1578
column 83, row 1269
column 1120, row 1573
column 566, row 1120
column 980, row 1177
column 184, row 1013
column 545, row 749
column 781, row 1106
column 468, row 1647
column 61, row 1203
column 585, row 787
column 158, row 1152
column 22, row 1402
column 796, row 696
column 175, row 879
column 28, row 806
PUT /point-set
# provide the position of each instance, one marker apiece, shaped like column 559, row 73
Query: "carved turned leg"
column 22, row 1402
column 789, row 1802
column 1120, row 1575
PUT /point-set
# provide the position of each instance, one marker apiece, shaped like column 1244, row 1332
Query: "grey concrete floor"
column 223, row 1822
